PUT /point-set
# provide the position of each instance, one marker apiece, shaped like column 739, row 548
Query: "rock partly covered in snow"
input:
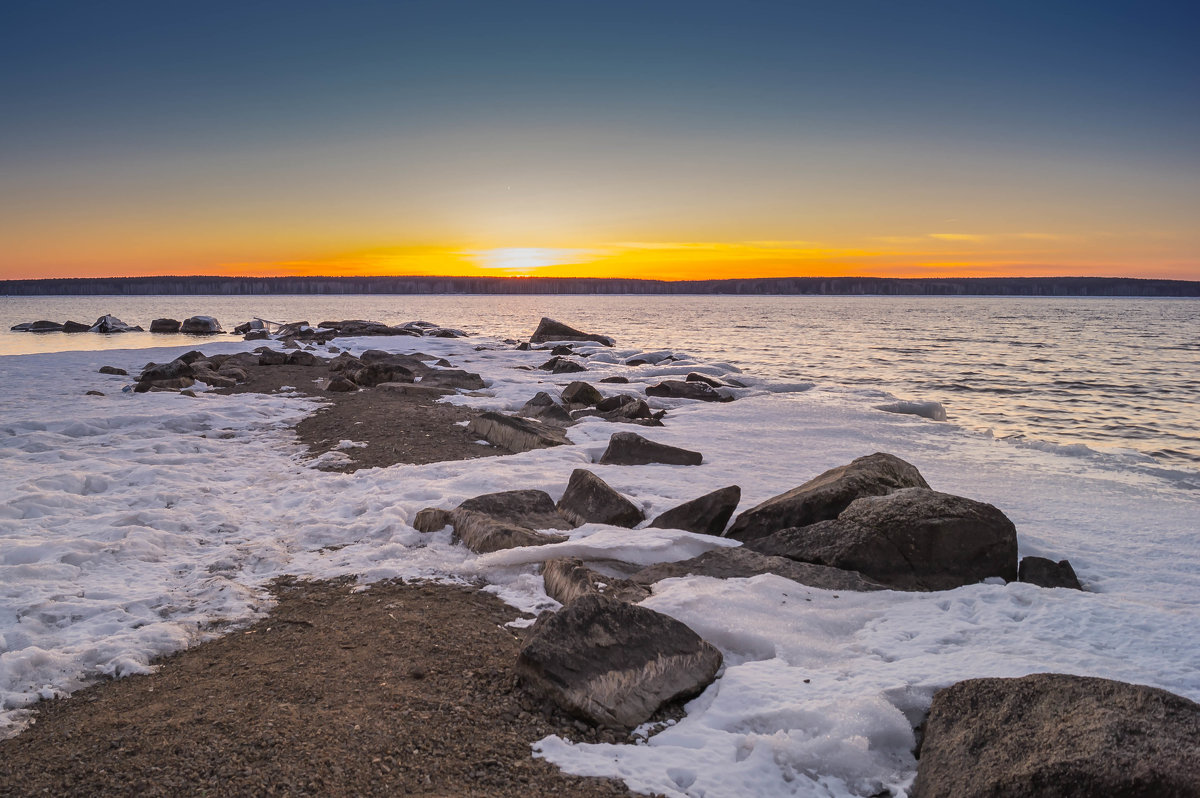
column 496, row 521
column 825, row 496
column 629, row 448
column 567, row 579
column 930, row 410
column 516, row 434
column 1051, row 734
column 200, row 325
column 111, row 324
column 590, row 500
column 581, row 393
column 614, row 664
column 706, row 515
column 551, row 330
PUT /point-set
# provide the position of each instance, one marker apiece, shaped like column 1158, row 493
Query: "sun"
column 524, row 260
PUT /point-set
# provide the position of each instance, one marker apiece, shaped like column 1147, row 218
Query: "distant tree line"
column 860, row 286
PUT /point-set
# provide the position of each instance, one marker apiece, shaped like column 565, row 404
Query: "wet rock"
column 93, row 393
column 75, row 327
column 825, row 496
column 1047, row 573
column 272, row 357
column 543, row 407
column 567, row 579
column 712, row 382
column 165, row 326
column 706, row 515
column 628, row 448
column 1051, row 734
column 111, row 324
column 483, row 534
column 913, row 539
column 340, row 384
column 516, row 434
column 551, row 330
column 454, row 378
column 562, row 349
column 179, row 367
column 113, row 370
column 256, row 335
column 580, row 393
column 678, row 389
column 741, row 563
column 590, row 500
column 614, row 664
column 431, row 519
column 562, row 365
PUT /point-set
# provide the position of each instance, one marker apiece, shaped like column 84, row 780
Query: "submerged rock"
column 113, row 370
column 75, row 327
column 629, row 448
column 37, row 326
column 678, row 389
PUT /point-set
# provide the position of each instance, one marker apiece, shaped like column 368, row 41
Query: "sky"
column 663, row 140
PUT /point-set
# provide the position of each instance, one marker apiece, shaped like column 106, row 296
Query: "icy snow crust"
column 136, row 525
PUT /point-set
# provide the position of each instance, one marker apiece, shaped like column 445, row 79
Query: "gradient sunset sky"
column 643, row 139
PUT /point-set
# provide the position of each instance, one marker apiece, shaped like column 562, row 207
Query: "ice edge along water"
column 136, row 525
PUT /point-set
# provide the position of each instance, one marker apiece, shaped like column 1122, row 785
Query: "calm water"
column 1108, row 373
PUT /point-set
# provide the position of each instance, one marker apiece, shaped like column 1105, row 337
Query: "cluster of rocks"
column 104, row 324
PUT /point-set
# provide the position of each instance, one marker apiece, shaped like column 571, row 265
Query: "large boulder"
column 516, row 434
column 567, row 579
column 913, row 539
column 614, row 664
column 201, row 325
column 165, row 326
column 1047, row 573
column 629, row 448
column 740, row 563
column 111, row 324
column 551, row 330
column 825, row 496
column 706, row 515
column 1051, row 735
column 272, row 357
column 679, row 389
column 590, row 500
column 368, row 375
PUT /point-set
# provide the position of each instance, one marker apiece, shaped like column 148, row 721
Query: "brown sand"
column 397, row 689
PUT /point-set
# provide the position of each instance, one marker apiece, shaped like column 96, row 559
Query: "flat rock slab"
column 550, row 330
column 825, row 496
column 529, row 508
column 629, row 448
column 680, row 389
column 1051, row 735
column 741, row 563
column 516, row 434
column 590, row 500
column 614, row 664
column 567, row 579
column 706, row 515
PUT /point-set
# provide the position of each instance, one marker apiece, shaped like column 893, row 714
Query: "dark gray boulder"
column 610, row 403
column 1051, row 735
column 165, row 326
column 629, row 448
column 453, row 378
column 551, row 330
column 516, row 434
column 368, row 375
column 75, row 327
column 562, row 365
column 179, row 367
column 614, row 664
column 712, row 382
column 543, row 408
column 581, row 393
column 628, row 410
column 200, row 325
column 678, row 389
column 740, row 562
column 825, row 496
column 590, row 500
column 303, row 358
column 113, row 370
column 616, row 379
column 1047, row 573
column 913, row 539
column 706, row 515
column 166, row 384
column 37, row 326
column 567, row 579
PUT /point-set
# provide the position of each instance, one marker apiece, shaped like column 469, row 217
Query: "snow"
column 133, row 525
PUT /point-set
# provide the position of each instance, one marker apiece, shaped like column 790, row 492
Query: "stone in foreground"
column 551, row 330
column 629, row 448
column 825, row 496
column 740, row 563
column 516, row 434
column 913, row 539
column 1047, row 573
column 567, row 579
column 1051, row 735
column 590, row 500
column 706, row 515
column 614, row 664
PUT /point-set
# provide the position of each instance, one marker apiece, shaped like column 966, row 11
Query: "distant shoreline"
column 768, row 286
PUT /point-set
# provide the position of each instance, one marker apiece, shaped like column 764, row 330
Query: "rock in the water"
column 740, row 563
column 213, row 379
column 825, row 496
column 340, row 384
column 1047, row 573
column 678, row 389
column 551, row 330
column 453, row 378
column 1051, row 735
column 913, row 539
column 165, row 326
column 516, row 434
column 113, row 370
column 706, row 515
column 543, row 407
column 562, row 365
column 111, row 324
column 616, row 380
column 930, row 410
column 169, row 384
column 580, row 393
column 590, row 500
column 179, row 367
column 431, row 519
column 567, row 579
column 93, row 393
column 624, row 408
column 629, row 448
column 614, row 664
column 75, row 327
column 483, row 534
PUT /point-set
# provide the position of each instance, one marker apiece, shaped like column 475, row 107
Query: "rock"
column 165, row 326
column 551, row 330
column 431, row 519
column 523, row 346
column 590, row 500
column 295, row 329
column 651, row 358
column 302, row 358
column 516, row 434
column 234, row 373
column 213, row 379
column 678, row 389
column 340, row 384
column 930, row 410
column 111, row 324
column 170, row 384
column 629, row 448
column 567, row 579
column 167, row 371
column 256, row 335
column 825, row 496
column 913, row 539
column 93, row 393
column 623, row 408
column 411, row 389
column 483, row 534
column 543, row 407
column 75, row 327
column 533, row 509
column 453, row 378
column 617, row 380
column 695, row 376
column 1051, row 734
column 562, row 349
column 614, row 664
column 272, row 357
column 37, row 326
column 114, row 370
column 369, row 375
column 191, row 357
column 740, row 563
column 254, row 325
column 1047, row 573
column 706, row 515
column 614, row 402
column 561, row 365
column 580, row 393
